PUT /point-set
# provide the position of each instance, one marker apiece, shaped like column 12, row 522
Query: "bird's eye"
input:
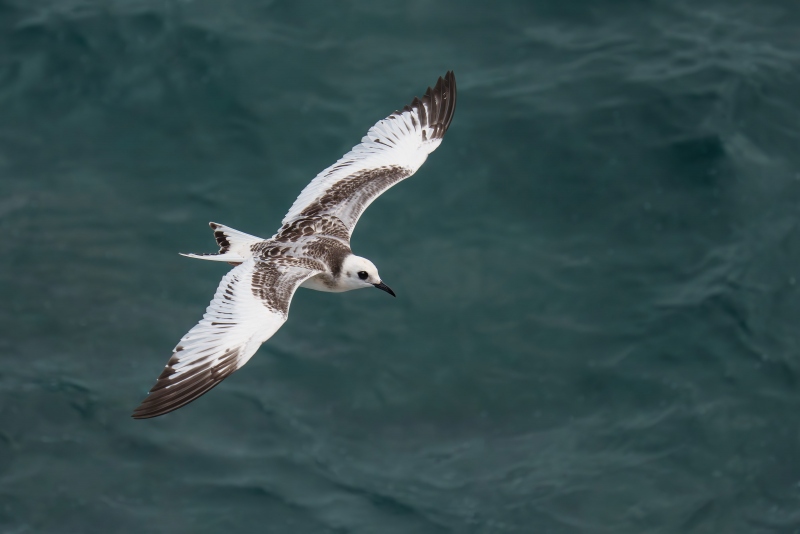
column 363, row 275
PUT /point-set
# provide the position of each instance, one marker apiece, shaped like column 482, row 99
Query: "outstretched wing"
column 250, row 305
column 391, row 151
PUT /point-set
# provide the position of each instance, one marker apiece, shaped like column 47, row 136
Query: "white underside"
column 326, row 282
column 317, row 283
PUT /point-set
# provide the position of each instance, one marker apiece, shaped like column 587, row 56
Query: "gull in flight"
column 311, row 249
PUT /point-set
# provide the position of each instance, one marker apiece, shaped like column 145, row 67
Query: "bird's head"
column 358, row 272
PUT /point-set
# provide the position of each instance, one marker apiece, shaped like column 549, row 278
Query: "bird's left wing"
column 391, row 151
column 250, row 305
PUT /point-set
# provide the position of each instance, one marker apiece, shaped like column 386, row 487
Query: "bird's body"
column 311, row 249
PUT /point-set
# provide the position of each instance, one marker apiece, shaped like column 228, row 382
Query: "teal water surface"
column 596, row 328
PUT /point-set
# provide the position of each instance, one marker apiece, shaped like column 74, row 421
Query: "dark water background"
column 598, row 312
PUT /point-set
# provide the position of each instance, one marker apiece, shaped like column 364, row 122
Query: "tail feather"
column 233, row 259
column 234, row 246
column 230, row 240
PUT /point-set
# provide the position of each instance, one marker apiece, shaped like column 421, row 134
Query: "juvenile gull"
column 311, row 249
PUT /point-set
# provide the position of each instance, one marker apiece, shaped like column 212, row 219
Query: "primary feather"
column 312, row 249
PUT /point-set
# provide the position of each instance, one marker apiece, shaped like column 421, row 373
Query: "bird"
column 311, row 249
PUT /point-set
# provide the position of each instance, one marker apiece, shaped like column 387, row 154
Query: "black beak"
column 386, row 288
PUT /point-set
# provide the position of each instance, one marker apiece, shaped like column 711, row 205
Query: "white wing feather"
column 234, row 326
column 403, row 139
column 252, row 301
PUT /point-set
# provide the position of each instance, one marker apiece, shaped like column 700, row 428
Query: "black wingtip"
column 150, row 408
column 440, row 101
column 174, row 390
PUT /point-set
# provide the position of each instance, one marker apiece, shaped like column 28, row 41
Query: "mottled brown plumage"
column 311, row 249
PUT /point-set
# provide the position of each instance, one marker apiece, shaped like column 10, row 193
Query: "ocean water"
column 597, row 327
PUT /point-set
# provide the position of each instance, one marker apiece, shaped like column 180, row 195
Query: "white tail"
column 234, row 246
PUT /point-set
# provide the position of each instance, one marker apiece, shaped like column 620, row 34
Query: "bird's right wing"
column 250, row 305
column 391, row 151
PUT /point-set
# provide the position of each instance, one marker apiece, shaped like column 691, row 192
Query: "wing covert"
column 250, row 305
column 392, row 150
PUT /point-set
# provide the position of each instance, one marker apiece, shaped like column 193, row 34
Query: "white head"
column 358, row 272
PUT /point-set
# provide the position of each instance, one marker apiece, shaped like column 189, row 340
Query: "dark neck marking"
column 330, row 251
